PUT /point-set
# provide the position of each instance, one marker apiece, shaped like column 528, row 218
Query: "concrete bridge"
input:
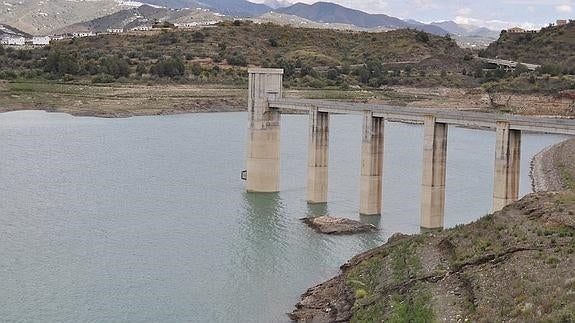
column 266, row 102
column 508, row 65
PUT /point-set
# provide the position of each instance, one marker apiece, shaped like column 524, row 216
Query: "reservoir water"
column 147, row 219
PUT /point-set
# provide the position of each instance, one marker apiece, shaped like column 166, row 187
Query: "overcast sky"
column 495, row 14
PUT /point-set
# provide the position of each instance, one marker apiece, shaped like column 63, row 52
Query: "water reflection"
column 315, row 210
column 263, row 227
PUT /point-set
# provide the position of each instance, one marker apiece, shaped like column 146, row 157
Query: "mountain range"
column 43, row 17
column 333, row 13
column 465, row 30
column 141, row 16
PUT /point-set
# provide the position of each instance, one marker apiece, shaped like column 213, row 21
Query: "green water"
column 146, row 219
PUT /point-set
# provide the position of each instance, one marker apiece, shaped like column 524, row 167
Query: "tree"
column 171, row 67
column 115, row 66
column 237, row 59
column 60, row 63
column 141, row 69
column 273, row 42
column 422, row 36
column 333, row 73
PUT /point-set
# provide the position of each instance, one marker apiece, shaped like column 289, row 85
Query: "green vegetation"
column 311, row 58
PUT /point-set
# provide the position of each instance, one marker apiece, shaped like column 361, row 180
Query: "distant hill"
column 274, row 4
column 295, row 21
column 6, row 30
column 465, row 30
column 142, row 16
column 310, row 46
column 333, row 13
column 551, row 45
column 226, row 7
column 40, row 17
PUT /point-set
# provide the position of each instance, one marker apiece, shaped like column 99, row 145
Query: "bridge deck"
column 507, row 63
column 410, row 114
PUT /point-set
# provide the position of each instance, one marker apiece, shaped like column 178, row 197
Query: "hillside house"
column 561, row 22
column 83, row 34
column 515, row 30
column 115, row 30
column 41, row 41
column 141, row 28
column 13, row 40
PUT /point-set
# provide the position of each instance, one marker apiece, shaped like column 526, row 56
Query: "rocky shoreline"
column 337, row 226
column 500, row 267
column 547, row 165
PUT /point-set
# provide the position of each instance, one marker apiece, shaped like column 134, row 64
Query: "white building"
column 141, row 28
column 83, row 34
column 195, row 24
column 43, row 41
column 115, row 30
column 13, row 40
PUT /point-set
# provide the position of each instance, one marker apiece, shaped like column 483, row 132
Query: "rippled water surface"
column 146, row 219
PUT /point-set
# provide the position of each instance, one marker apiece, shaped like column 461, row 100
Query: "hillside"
column 310, row 57
column 552, row 45
column 6, row 30
column 333, row 13
column 295, row 21
column 144, row 15
column 39, row 17
column 515, row 265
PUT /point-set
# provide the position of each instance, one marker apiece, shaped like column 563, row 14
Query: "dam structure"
column 266, row 102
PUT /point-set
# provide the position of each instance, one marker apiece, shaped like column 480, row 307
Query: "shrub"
column 422, row 36
column 115, row 66
column 103, row 78
column 60, row 64
column 273, row 42
column 237, row 59
column 171, row 67
column 198, row 37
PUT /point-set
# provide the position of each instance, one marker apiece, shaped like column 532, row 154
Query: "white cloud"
column 464, row 11
column 495, row 24
column 563, row 8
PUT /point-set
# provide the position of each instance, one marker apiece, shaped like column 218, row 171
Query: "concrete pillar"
column 263, row 151
column 318, row 155
column 371, row 165
column 507, row 165
column 434, row 166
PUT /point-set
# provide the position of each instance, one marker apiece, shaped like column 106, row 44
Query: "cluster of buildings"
column 15, row 40
column 518, row 30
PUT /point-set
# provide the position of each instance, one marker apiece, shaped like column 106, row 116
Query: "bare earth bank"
column 124, row 100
